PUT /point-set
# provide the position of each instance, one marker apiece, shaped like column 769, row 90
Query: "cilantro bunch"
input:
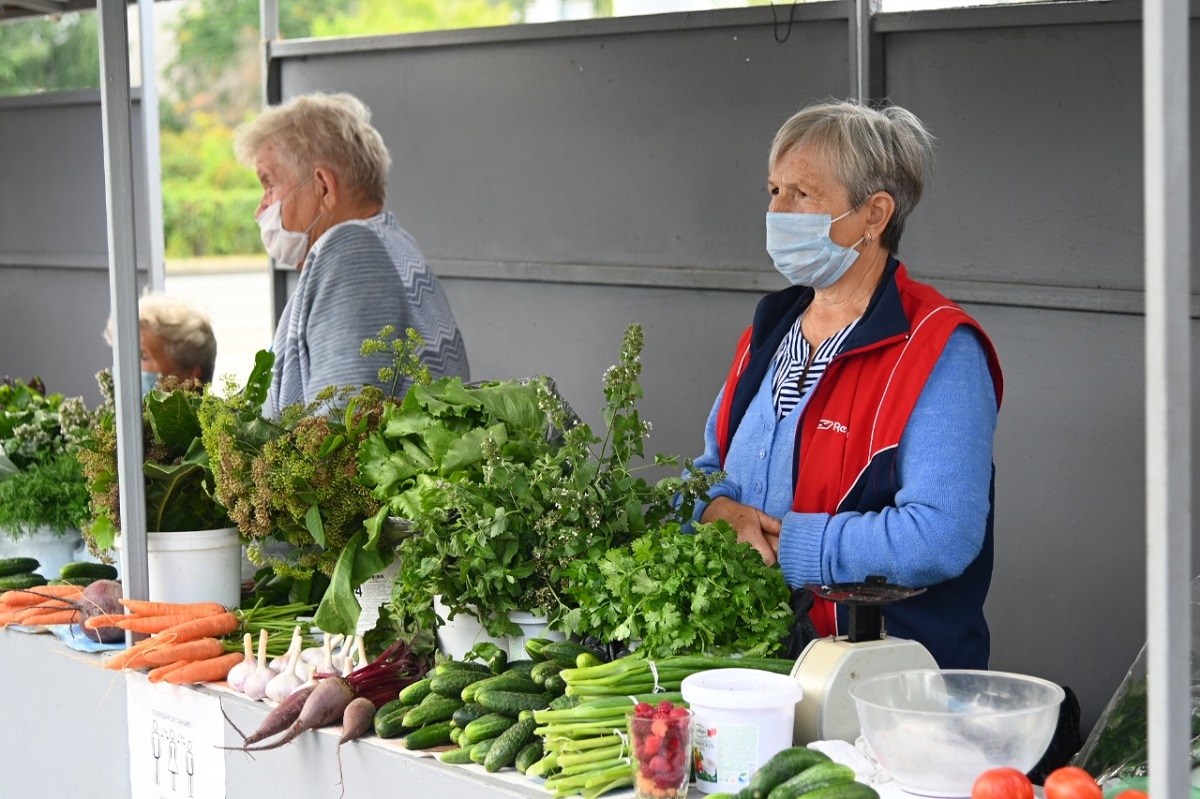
column 677, row 593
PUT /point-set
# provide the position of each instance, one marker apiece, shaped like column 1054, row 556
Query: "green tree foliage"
column 48, row 54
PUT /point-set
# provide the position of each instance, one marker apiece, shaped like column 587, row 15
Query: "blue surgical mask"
column 149, row 381
column 800, row 246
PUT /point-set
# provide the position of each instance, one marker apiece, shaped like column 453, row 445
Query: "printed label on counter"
column 726, row 755
column 373, row 594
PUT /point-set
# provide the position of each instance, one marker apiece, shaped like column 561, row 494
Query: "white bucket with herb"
column 52, row 551
column 457, row 636
column 194, row 566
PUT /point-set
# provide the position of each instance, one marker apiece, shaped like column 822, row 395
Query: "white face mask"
column 800, row 246
column 287, row 247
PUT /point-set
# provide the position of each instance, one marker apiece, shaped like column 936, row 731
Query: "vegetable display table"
column 67, row 733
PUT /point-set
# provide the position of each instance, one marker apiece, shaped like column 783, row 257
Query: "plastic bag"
column 1116, row 748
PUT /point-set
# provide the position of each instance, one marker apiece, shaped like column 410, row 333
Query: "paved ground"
column 237, row 297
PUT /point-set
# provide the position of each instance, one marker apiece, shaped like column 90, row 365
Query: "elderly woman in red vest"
column 855, row 427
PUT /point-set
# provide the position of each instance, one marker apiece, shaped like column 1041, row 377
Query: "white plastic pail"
column 195, row 566
column 742, row 718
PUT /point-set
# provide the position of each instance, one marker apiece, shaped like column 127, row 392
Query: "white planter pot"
column 52, row 551
column 196, row 566
column 456, row 636
column 531, row 627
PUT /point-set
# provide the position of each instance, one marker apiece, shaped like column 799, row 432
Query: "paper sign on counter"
column 175, row 735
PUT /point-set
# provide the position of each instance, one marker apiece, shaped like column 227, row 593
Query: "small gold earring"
column 870, row 238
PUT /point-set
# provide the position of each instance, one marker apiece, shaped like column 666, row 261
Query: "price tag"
column 374, row 594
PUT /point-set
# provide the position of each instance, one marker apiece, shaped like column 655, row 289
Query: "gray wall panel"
column 621, row 149
column 1039, row 162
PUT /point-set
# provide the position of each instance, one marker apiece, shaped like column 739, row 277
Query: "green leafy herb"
column 500, row 536
column 179, row 481
column 677, row 593
column 41, row 481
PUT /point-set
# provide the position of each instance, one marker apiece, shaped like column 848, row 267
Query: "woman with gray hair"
column 323, row 169
column 176, row 340
column 855, row 426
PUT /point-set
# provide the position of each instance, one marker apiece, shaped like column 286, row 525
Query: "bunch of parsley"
column 674, row 593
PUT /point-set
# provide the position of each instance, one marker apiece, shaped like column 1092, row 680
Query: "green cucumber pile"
column 18, row 573
column 482, row 706
column 802, row 773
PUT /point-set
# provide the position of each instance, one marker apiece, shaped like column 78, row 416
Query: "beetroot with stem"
column 357, row 721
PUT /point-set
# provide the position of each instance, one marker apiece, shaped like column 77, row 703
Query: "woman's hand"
column 753, row 526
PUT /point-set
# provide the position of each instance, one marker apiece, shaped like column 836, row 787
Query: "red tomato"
column 1002, row 783
column 1071, row 782
column 1132, row 793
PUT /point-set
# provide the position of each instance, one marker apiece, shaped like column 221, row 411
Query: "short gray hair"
column 186, row 333
column 869, row 149
column 330, row 130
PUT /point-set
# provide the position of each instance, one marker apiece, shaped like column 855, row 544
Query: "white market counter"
column 66, row 732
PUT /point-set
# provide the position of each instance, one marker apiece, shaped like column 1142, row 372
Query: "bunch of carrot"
column 44, row 605
column 184, row 647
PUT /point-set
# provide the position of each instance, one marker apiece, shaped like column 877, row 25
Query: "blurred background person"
column 323, row 169
column 176, row 339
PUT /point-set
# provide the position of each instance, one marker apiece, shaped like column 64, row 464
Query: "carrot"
column 104, row 620
column 144, row 607
column 210, row 670
column 38, row 616
column 203, row 627
column 23, row 597
column 200, row 649
column 132, row 658
column 160, row 673
column 152, row 625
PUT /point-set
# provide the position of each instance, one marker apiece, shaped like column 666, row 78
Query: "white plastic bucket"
column 52, row 551
column 742, row 718
column 195, row 566
column 457, row 636
column 531, row 627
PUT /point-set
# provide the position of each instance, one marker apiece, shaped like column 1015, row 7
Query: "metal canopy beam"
column 1168, row 394
column 122, row 281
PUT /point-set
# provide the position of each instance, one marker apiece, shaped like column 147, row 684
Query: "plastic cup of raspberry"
column 660, row 737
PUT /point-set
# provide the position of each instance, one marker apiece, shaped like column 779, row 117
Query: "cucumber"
column 416, row 692
column 530, row 753
column 585, row 660
column 456, row 757
column 511, row 702
column 534, row 646
column 547, row 668
column 15, row 582
column 452, row 683
column 504, row 751
column 468, row 713
column 565, row 652
column 389, row 720
column 89, row 571
column 565, row 702
column 436, row 708
column 486, row 727
column 436, row 734
column 519, row 681
column 784, row 765
column 459, row 665
column 853, row 790
column 822, row 775
column 555, row 685
column 455, row 734
column 524, row 664
column 17, row 566
column 479, row 751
